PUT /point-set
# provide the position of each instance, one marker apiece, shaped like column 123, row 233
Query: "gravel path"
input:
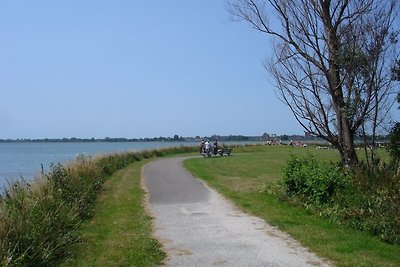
column 198, row 227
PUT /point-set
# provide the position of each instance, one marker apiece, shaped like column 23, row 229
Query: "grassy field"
column 120, row 233
column 244, row 177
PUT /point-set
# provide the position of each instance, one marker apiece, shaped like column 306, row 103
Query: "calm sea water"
column 25, row 159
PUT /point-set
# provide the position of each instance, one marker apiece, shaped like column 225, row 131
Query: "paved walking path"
column 198, row 227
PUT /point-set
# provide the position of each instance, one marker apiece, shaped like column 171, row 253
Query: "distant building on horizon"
column 308, row 135
column 268, row 137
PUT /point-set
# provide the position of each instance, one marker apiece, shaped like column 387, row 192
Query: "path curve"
column 198, row 227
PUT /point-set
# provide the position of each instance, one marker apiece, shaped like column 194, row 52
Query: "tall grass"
column 39, row 220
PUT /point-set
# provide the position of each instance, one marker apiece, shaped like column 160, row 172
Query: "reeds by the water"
column 39, row 220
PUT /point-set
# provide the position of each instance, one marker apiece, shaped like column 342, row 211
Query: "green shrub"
column 315, row 180
column 374, row 201
column 366, row 198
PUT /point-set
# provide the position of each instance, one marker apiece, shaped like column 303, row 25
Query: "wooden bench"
column 226, row 151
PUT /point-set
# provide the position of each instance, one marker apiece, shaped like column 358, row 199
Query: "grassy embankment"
column 57, row 218
column 243, row 178
column 120, row 232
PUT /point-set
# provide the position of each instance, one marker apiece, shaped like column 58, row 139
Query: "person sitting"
column 202, row 146
column 207, row 147
column 215, row 147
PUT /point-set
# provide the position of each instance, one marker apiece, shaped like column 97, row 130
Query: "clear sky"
column 126, row 68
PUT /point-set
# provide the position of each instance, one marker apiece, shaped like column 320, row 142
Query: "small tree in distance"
column 332, row 63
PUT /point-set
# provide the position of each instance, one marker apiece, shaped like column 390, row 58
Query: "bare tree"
column 332, row 62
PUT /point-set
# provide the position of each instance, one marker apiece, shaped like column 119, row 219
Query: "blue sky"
column 98, row 68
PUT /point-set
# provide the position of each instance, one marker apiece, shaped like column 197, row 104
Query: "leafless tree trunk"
column 332, row 62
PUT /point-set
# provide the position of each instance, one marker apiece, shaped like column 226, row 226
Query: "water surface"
column 26, row 159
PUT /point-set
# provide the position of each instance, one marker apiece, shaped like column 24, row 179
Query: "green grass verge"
column 120, row 232
column 242, row 178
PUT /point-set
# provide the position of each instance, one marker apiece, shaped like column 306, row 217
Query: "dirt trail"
column 198, row 227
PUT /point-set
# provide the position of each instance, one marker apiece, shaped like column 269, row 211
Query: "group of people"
column 207, row 149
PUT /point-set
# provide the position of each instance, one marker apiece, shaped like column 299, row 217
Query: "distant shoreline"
column 176, row 138
column 79, row 140
column 121, row 140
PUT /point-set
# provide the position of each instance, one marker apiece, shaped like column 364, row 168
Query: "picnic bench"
column 226, row 151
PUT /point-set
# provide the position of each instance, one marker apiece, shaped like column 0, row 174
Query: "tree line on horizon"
column 177, row 138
